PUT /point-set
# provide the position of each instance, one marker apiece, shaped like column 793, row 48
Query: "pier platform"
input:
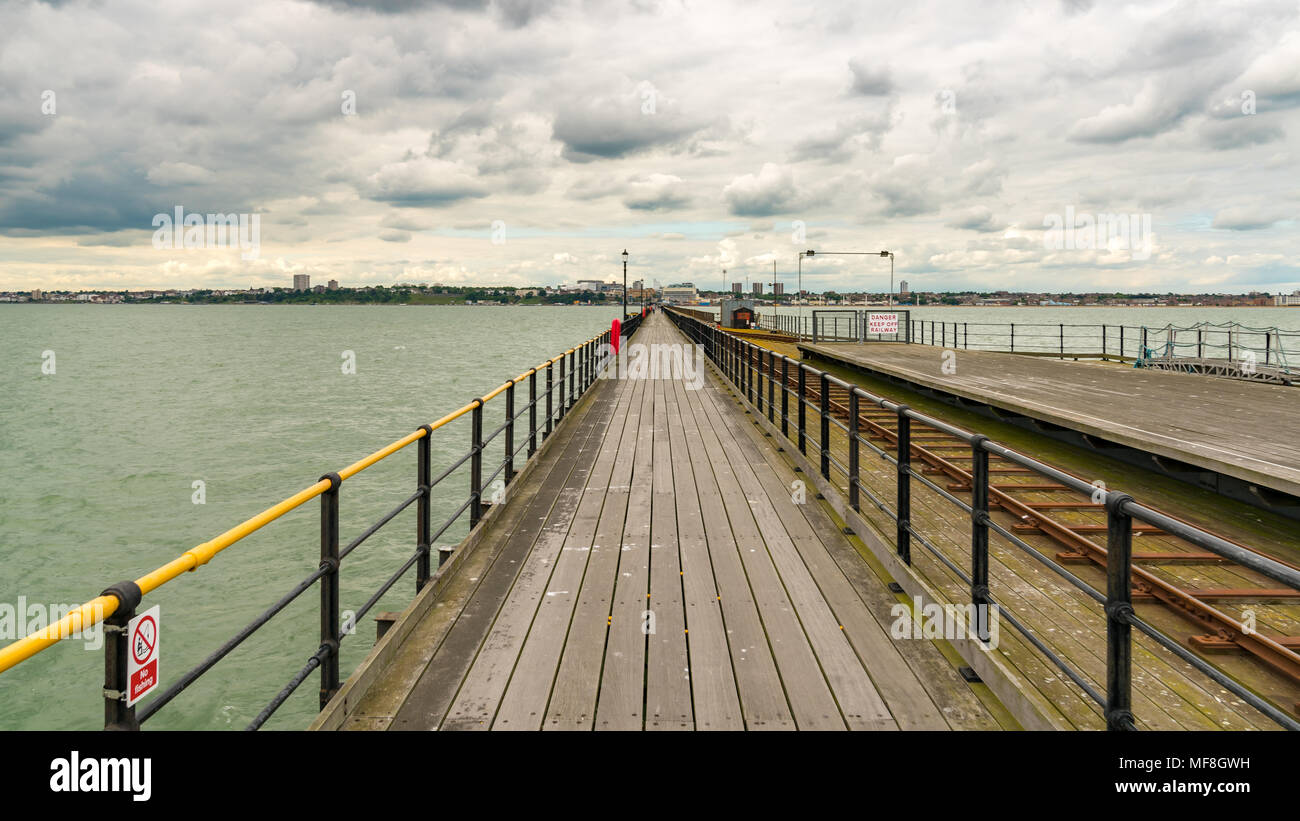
column 661, row 567
column 1239, row 438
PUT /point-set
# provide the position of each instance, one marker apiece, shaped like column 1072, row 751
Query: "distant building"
column 778, row 289
column 737, row 287
column 758, row 289
column 334, row 285
column 37, row 294
column 319, row 289
column 301, row 282
column 1280, row 299
column 682, row 294
column 902, row 287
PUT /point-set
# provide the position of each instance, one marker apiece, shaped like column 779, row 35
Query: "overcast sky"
column 699, row 136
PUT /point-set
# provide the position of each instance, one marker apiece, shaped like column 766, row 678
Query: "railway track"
column 1051, row 516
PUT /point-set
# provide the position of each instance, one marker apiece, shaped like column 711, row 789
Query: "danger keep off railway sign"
column 142, row 655
column 882, row 324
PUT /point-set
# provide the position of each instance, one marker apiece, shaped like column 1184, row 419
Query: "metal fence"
column 750, row 368
column 555, row 386
column 1270, row 347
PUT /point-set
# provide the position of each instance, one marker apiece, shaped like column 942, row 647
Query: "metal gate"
column 852, row 325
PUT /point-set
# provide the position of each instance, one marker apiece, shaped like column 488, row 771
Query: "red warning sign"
column 142, row 655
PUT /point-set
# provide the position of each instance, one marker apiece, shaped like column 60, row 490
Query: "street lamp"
column 889, row 254
column 624, row 286
column 799, row 296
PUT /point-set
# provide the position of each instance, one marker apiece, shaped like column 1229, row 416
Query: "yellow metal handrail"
column 101, row 607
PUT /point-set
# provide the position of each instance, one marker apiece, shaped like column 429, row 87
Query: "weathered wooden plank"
column 856, row 694
column 573, row 698
column 714, row 692
column 481, row 691
column 556, row 493
column 524, row 702
column 622, row 681
column 668, row 688
column 762, row 693
column 810, row 697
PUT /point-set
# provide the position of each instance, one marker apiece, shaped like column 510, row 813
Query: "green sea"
column 101, row 456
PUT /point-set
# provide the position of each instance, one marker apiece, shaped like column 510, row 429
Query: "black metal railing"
column 740, row 361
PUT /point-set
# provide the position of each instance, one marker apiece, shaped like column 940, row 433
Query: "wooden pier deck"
column 1193, row 419
column 657, row 569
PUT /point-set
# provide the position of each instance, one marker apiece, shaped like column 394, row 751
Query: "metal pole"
column 510, row 434
column 825, row 413
column 785, row 397
column 803, row 409
column 532, row 413
column 423, row 525
column 1119, row 608
column 550, row 414
column 853, row 449
column 903, row 534
column 979, row 538
column 118, row 716
column 476, row 464
column 771, row 385
column 329, row 589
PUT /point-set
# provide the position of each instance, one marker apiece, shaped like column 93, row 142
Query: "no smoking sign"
column 142, row 655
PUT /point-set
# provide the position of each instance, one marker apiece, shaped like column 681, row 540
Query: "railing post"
column 803, row 409
column 476, row 463
column 423, row 524
column 1121, row 341
column 824, row 411
column 532, row 413
column 118, row 716
column 771, row 386
column 1143, row 352
column 550, row 395
column 1119, row 608
column 903, row 535
column 1103, row 340
column 329, row 589
column 979, row 535
column 573, row 375
column 853, row 448
column 510, row 434
column 785, row 397
column 965, row 336
column 1013, row 337
column 560, row 415
column 1062, row 340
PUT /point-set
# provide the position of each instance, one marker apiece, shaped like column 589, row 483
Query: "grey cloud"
column 1244, row 131
column 769, row 192
column 976, row 219
column 613, row 127
column 1249, row 218
column 869, row 80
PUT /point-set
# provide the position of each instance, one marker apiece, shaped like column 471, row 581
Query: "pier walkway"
column 662, row 566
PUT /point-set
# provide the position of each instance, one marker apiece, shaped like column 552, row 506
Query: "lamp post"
column 889, row 254
column 799, row 296
column 624, row 286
